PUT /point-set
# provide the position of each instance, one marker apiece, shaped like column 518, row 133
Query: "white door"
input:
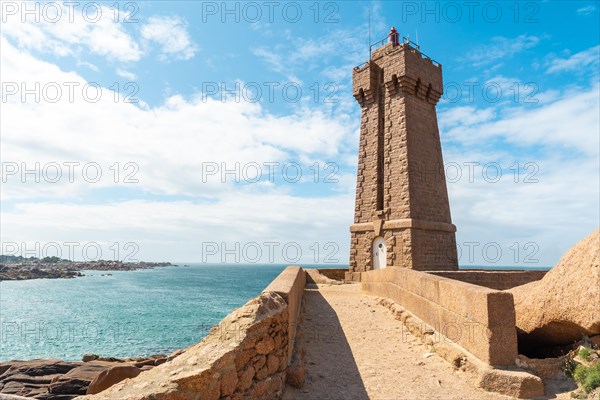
column 379, row 253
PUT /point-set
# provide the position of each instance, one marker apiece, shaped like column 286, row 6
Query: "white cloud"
column 344, row 46
column 576, row 62
column 272, row 58
column 126, row 74
column 558, row 141
column 501, row 48
column 335, row 74
column 172, row 36
column 547, row 124
column 88, row 65
column 75, row 31
column 465, row 115
column 309, row 49
column 176, row 230
column 552, row 203
column 171, row 145
column 72, row 32
column 586, row 10
column 340, row 47
column 232, row 131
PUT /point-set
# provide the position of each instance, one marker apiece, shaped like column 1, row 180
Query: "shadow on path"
column 331, row 370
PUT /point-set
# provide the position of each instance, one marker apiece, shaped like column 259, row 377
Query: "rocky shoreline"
column 63, row 380
column 18, row 268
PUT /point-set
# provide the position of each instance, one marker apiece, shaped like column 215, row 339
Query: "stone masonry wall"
column 290, row 286
column 333, row 273
column 499, row 280
column 434, row 250
column 245, row 356
column 479, row 319
column 427, row 185
column 366, row 177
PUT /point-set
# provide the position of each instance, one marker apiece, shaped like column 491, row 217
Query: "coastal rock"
column 563, row 306
column 61, row 380
column 109, row 359
column 77, row 380
column 111, row 376
column 35, row 368
column 89, row 357
column 19, row 273
column 19, row 268
column 11, row 397
column 31, row 378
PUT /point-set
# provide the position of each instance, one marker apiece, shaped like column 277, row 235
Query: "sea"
column 126, row 313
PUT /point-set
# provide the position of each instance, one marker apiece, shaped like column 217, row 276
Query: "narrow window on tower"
column 417, row 87
column 380, row 134
column 361, row 97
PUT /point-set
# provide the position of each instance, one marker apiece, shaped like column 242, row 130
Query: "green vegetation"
column 587, row 377
column 50, row 260
column 584, row 353
column 569, row 367
column 9, row 259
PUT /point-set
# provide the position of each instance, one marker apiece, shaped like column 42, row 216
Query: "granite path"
column 355, row 349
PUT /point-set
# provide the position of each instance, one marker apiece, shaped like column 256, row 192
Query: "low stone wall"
column 245, row 356
column 479, row 319
column 290, row 285
column 509, row 381
column 499, row 280
column 339, row 274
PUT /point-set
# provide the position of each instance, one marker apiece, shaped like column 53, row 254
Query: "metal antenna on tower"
column 417, row 38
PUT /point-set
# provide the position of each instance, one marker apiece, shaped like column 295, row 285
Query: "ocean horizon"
column 130, row 313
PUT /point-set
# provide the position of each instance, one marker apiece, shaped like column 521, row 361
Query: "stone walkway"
column 356, row 349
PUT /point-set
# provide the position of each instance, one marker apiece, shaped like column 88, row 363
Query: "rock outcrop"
column 112, row 376
column 18, row 268
column 63, row 380
column 8, row 273
column 563, row 306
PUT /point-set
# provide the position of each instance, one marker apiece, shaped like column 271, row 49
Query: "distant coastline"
column 17, row 268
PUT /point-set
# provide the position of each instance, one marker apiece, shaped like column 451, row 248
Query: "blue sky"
column 522, row 98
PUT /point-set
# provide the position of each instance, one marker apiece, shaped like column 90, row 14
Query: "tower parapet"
column 365, row 83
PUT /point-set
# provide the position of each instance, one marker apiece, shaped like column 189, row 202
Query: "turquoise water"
column 131, row 313
column 127, row 313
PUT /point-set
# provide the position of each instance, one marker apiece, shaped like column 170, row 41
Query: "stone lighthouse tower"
column 402, row 215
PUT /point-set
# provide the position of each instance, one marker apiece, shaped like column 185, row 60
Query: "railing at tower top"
column 405, row 40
